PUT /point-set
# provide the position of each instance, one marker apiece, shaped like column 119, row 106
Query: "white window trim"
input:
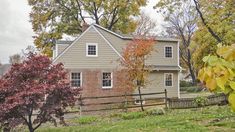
column 107, row 87
column 87, row 44
column 165, row 79
column 80, row 79
column 171, row 52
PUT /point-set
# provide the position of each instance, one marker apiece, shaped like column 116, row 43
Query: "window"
column 168, row 52
column 76, row 79
column 168, row 79
column 107, row 80
column 91, row 49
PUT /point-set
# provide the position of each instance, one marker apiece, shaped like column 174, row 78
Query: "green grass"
column 216, row 118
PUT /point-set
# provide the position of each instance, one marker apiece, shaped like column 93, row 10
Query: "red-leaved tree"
column 134, row 62
column 34, row 92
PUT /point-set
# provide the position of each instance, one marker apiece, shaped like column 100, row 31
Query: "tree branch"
column 205, row 23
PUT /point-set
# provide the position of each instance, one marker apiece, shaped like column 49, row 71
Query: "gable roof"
column 78, row 38
column 130, row 37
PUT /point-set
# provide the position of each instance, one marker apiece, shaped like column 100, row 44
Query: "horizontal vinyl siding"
column 75, row 56
column 61, row 47
column 158, row 56
column 156, row 84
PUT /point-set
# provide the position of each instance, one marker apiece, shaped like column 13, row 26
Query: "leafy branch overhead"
column 219, row 72
column 52, row 19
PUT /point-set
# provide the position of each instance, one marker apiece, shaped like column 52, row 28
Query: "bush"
column 133, row 115
column 155, row 112
column 185, row 84
column 86, row 119
column 200, row 101
column 192, row 89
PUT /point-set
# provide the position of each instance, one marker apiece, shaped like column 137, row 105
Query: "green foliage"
column 219, row 72
column 155, row 111
column 51, row 19
column 200, row 101
column 219, row 15
column 86, row 119
column 185, row 83
column 191, row 89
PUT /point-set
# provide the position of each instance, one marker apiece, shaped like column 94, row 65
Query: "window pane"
column 168, row 52
column 107, row 79
column 168, row 79
column 91, row 50
column 75, row 79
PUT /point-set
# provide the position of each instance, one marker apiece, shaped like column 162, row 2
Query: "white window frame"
column 80, row 79
column 107, row 87
column 165, row 74
column 92, row 44
column 171, row 51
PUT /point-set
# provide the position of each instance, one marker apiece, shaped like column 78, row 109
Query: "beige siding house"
column 92, row 58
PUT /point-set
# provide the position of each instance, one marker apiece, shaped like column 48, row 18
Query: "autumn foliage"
column 134, row 56
column 218, row 74
column 35, row 86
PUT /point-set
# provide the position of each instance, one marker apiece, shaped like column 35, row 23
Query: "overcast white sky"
column 16, row 30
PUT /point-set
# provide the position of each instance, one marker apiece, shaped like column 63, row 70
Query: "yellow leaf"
column 231, row 100
column 211, row 84
column 232, row 85
column 221, row 81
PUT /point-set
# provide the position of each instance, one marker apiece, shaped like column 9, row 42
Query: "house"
column 91, row 60
column 4, row 68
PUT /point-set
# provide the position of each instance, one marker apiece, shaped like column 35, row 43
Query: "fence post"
column 125, row 103
column 80, row 99
column 166, row 99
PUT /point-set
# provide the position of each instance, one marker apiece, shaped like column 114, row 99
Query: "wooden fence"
column 121, row 102
column 190, row 102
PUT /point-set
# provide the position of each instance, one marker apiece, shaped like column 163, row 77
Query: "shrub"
column 155, row 112
column 192, row 89
column 200, row 101
column 185, row 84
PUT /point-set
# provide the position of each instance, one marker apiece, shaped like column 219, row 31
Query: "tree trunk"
column 192, row 74
column 141, row 101
column 30, row 127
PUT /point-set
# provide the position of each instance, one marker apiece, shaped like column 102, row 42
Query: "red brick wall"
column 92, row 86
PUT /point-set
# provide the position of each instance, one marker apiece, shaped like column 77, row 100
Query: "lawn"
column 216, row 118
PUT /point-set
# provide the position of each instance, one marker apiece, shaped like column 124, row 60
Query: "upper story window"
column 107, row 80
column 92, row 49
column 168, row 77
column 76, row 79
column 168, row 51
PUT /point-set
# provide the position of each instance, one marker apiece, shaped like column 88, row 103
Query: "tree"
column 216, row 25
column 181, row 18
column 52, row 19
column 134, row 56
column 35, row 86
column 145, row 26
column 16, row 58
column 219, row 72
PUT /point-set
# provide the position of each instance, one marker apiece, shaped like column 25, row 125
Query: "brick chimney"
column 85, row 26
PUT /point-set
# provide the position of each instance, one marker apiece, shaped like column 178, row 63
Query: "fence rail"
column 123, row 102
column 190, row 102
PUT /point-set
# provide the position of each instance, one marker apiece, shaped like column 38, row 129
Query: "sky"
column 16, row 30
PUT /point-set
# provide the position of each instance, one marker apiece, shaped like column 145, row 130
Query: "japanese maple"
column 34, row 92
